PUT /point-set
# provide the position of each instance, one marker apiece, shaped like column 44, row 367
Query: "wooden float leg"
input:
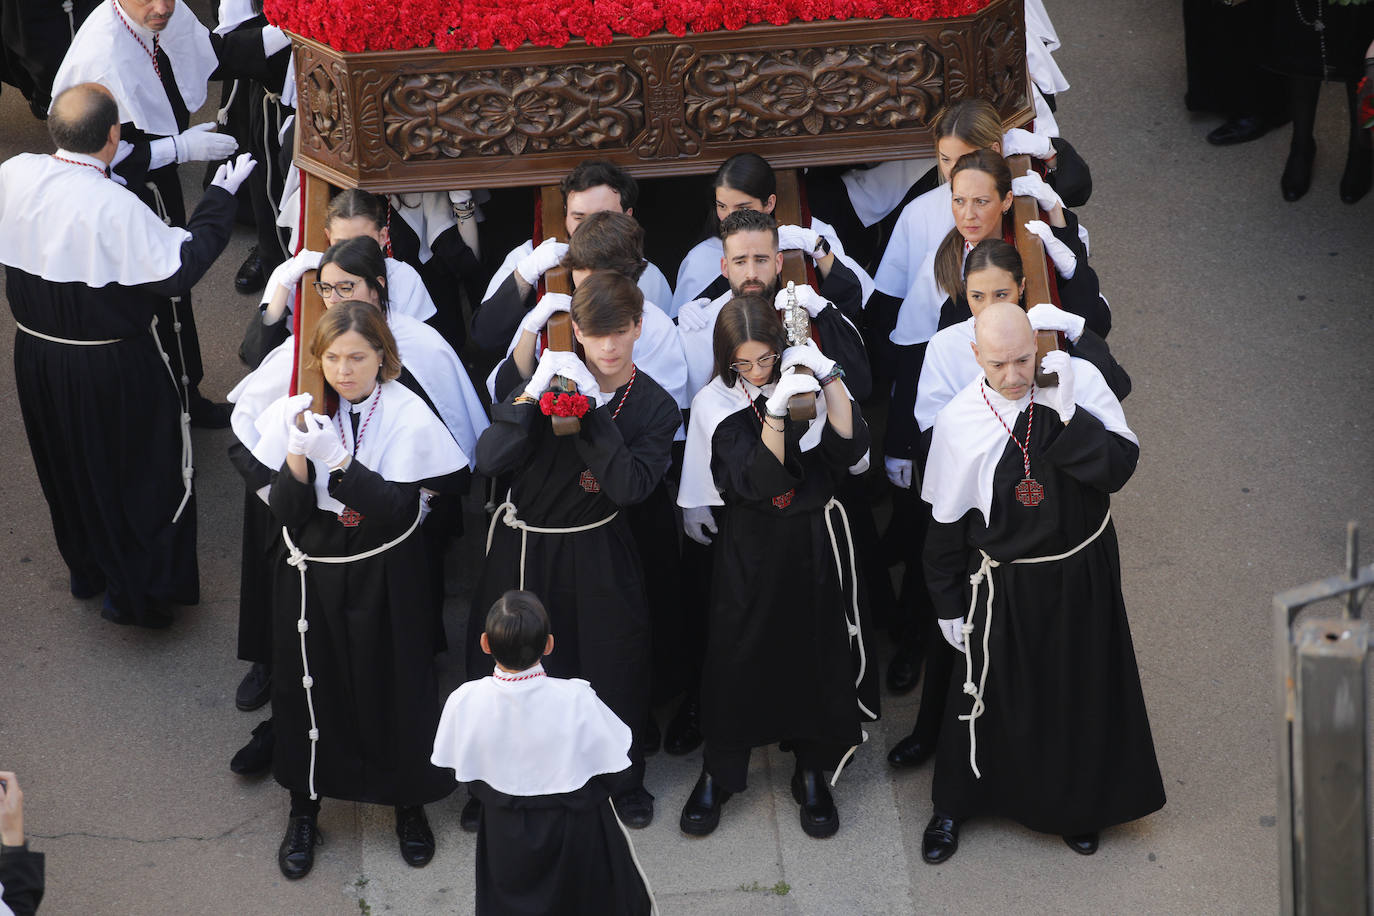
column 787, row 211
column 309, row 375
column 1035, row 266
column 558, row 280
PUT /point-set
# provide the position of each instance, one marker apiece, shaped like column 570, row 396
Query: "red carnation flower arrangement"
column 564, row 404
column 1365, row 92
column 362, row 25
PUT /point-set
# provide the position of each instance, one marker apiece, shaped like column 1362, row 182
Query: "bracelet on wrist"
column 836, row 372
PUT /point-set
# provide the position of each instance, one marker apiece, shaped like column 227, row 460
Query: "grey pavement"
column 1247, row 325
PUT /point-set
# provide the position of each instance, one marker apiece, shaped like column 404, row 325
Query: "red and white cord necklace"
column 1029, row 492
column 128, row 28
column 89, row 165
column 338, row 422
column 634, row 370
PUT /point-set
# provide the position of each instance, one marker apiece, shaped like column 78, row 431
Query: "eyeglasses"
column 764, row 362
column 344, row 288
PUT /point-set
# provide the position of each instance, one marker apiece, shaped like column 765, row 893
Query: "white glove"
column 692, row 315
column 289, row 272
column 121, row 153
column 807, row 355
column 807, row 298
column 1065, row 261
column 546, row 257
column 232, row 174
column 1033, row 185
column 1059, row 397
column 200, row 143
column 273, row 40
column 788, row 386
column 798, row 238
column 543, row 310
column 1048, row 317
column 1017, row 141
column 321, row 441
column 953, row 631
column 696, row 522
column 899, row 471
column 560, row 362
column 295, row 443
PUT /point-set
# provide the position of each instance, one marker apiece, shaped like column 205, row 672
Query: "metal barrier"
column 1323, row 740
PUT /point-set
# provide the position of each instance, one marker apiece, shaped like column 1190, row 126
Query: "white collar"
column 519, row 679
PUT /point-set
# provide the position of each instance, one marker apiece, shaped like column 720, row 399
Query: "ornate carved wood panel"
column 799, row 94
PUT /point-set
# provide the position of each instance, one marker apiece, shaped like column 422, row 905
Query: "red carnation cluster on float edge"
column 1365, row 91
column 564, row 405
column 363, row 25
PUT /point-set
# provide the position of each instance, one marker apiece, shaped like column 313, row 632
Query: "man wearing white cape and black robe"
column 86, row 266
column 1046, row 721
column 539, row 752
column 156, row 58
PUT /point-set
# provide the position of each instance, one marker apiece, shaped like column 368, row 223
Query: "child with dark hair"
column 537, row 751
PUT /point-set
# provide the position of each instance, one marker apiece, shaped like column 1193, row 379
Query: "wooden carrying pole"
column 1035, row 266
column 309, row 375
column 787, row 211
column 558, row 280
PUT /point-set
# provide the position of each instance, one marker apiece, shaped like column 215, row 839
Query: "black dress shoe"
column 684, row 730
column 1297, row 171
column 206, row 414
column 1358, row 175
column 470, row 818
column 941, row 839
column 83, row 588
column 1238, row 130
column 701, row 814
column 417, row 840
column 635, row 808
column 910, row 752
column 250, row 277
column 154, row 618
column 902, row 673
column 296, row 855
column 256, row 755
column 255, row 689
column 1085, row 844
column 819, row 816
column 651, row 739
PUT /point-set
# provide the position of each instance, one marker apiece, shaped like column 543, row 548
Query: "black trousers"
column 730, row 766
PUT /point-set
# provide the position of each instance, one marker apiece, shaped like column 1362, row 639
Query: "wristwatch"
column 822, row 247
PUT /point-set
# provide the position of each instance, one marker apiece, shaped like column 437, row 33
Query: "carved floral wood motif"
column 799, row 94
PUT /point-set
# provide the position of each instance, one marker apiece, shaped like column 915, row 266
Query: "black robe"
column 591, row 582
column 779, row 664
column 555, row 855
column 103, row 424
column 371, row 646
column 1064, row 743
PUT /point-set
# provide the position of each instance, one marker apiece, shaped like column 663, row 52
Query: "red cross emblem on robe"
column 784, row 500
column 587, row 480
column 350, row 518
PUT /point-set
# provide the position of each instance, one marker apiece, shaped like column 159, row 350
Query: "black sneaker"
column 416, row 838
column 296, row 855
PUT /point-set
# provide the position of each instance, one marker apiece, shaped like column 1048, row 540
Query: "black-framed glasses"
column 344, row 288
column 764, row 362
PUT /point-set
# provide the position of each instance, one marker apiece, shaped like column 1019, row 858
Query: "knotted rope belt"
column 985, row 572
column 856, row 636
column 505, row 514
column 300, row 559
column 187, row 459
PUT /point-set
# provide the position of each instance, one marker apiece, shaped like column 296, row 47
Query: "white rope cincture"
column 188, row 467
column 222, row 116
column 272, row 98
column 67, row 7
column 505, row 514
column 66, row 340
column 634, row 857
column 851, row 623
column 300, row 559
column 984, row 571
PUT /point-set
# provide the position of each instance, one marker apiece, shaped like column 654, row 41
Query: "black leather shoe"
column 417, row 840
column 206, row 414
column 1358, row 175
column 651, row 739
column 255, row 689
column 819, row 816
column 296, row 855
column 941, row 839
column 902, row 673
column 910, row 752
column 635, row 808
column 701, row 814
column 155, row 618
column 470, row 818
column 83, row 588
column 1297, row 171
column 250, row 277
column 1238, row 130
column 1085, row 844
column 256, row 755
column 684, row 730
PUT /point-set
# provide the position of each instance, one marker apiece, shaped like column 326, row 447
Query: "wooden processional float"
column 799, row 94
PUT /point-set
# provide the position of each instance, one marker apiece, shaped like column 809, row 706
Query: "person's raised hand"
column 808, row 355
column 289, row 272
column 547, row 306
column 1018, row 141
column 692, row 315
column 797, row 238
column 322, row 442
column 1065, row 261
column 1060, row 397
column 1033, row 185
column 543, row 258
column 1049, row 317
column 807, row 298
column 789, row 386
column 200, row 143
column 232, row 174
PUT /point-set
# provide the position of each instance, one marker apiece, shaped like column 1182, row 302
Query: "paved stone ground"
column 1246, row 323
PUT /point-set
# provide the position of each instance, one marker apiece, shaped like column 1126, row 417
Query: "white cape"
column 530, row 734
column 428, row 214
column 876, row 192
column 104, row 52
column 651, row 283
column 969, row 441
column 232, row 14
column 68, row 223
column 404, row 441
